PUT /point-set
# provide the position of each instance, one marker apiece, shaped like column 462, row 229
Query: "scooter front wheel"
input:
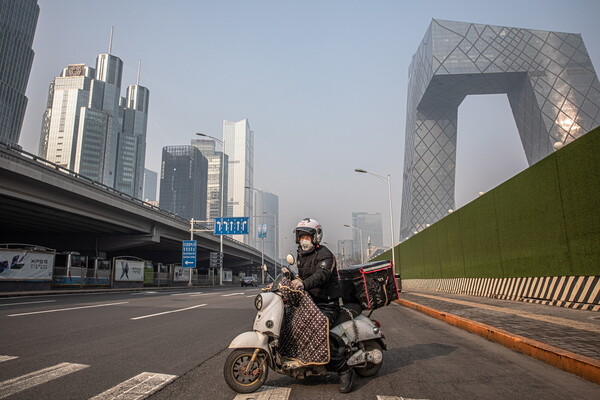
column 240, row 375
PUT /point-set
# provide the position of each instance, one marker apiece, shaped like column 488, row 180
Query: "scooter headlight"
column 258, row 302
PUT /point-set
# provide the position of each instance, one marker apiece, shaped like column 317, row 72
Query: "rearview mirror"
column 290, row 259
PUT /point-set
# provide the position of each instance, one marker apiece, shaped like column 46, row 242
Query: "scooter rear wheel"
column 370, row 369
column 239, row 376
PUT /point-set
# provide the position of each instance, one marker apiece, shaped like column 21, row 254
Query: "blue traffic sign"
column 231, row 226
column 188, row 256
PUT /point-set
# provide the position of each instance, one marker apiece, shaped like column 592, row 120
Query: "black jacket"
column 319, row 274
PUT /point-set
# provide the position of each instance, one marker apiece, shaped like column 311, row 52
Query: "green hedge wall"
column 544, row 221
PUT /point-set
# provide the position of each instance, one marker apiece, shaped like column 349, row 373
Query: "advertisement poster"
column 26, row 265
column 227, row 275
column 129, row 270
column 181, row 274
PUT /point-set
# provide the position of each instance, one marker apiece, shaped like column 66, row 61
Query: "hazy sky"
column 323, row 84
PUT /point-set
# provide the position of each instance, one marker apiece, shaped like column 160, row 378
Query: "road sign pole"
column 191, row 238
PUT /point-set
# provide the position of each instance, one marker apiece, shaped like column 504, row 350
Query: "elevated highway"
column 44, row 204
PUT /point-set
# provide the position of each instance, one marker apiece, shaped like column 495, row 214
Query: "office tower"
column 371, row 229
column 18, row 20
column 74, row 128
column 87, row 127
column 239, row 146
column 131, row 150
column 183, row 182
column 548, row 77
column 150, row 185
column 215, row 161
column 266, row 208
column 344, row 255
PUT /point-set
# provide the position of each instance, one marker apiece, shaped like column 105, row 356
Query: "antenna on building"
column 112, row 28
column 138, row 74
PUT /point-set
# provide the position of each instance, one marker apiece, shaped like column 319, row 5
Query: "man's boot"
column 346, row 380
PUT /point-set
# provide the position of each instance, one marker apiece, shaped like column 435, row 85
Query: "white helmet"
column 309, row 226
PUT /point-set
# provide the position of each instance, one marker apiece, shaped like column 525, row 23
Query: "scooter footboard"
column 255, row 340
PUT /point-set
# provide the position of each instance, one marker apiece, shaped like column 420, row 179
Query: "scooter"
column 247, row 366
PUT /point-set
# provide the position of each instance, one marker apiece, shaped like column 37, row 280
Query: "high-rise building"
column 18, row 20
column 183, row 182
column 239, row 146
column 371, row 230
column 344, row 255
column 266, row 207
column 131, row 151
column 88, row 128
column 216, row 161
column 548, row 77
column 150, row 185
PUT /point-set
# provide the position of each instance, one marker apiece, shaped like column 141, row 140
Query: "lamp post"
column 222, row 142
column 362, row 259
column 262, row 239
column 387, row 180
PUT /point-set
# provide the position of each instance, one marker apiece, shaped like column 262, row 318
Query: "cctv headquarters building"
column 548, row 77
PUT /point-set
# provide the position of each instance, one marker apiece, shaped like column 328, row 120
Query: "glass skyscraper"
column 548, row 77
column 371, row 228
column 18, row 20
column 207, row 148
column 239, row 146
column 87, row 127
column 267, row 204
column 183, row 182
column 150, row 185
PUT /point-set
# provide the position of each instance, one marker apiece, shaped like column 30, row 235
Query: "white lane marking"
column 68, row 309
column 395, row 398
column 252, row 295
column 7, row 358
column 231, row 294
column 138, row 387
column 16, row 385
column 179, row 294
column 266, row 393
column 29, row 302
column 198, row 294
column 168, row 312
column 143, row 293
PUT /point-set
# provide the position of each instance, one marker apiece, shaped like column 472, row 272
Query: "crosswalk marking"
column 16, row 385
column 138, row 387
column 68, row 309
column 266, row 393
column 7, row 358
column 395, row 398
column 168, row 312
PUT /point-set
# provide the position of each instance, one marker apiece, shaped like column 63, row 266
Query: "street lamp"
column 262, row 239
column 222, row 142
column 389, row 184
column 362, row 259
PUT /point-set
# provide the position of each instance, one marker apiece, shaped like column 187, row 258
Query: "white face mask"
column 306, row 244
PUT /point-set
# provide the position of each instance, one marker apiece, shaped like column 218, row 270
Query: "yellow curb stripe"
column 586, row 367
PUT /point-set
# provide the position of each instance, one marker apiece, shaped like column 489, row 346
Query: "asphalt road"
column 81, row 346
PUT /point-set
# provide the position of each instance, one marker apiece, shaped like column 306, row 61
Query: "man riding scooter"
column 317, row 275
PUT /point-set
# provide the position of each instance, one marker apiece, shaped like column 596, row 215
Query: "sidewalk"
column 566, row 338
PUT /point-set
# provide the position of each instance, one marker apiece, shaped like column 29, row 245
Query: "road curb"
column 586, row 367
